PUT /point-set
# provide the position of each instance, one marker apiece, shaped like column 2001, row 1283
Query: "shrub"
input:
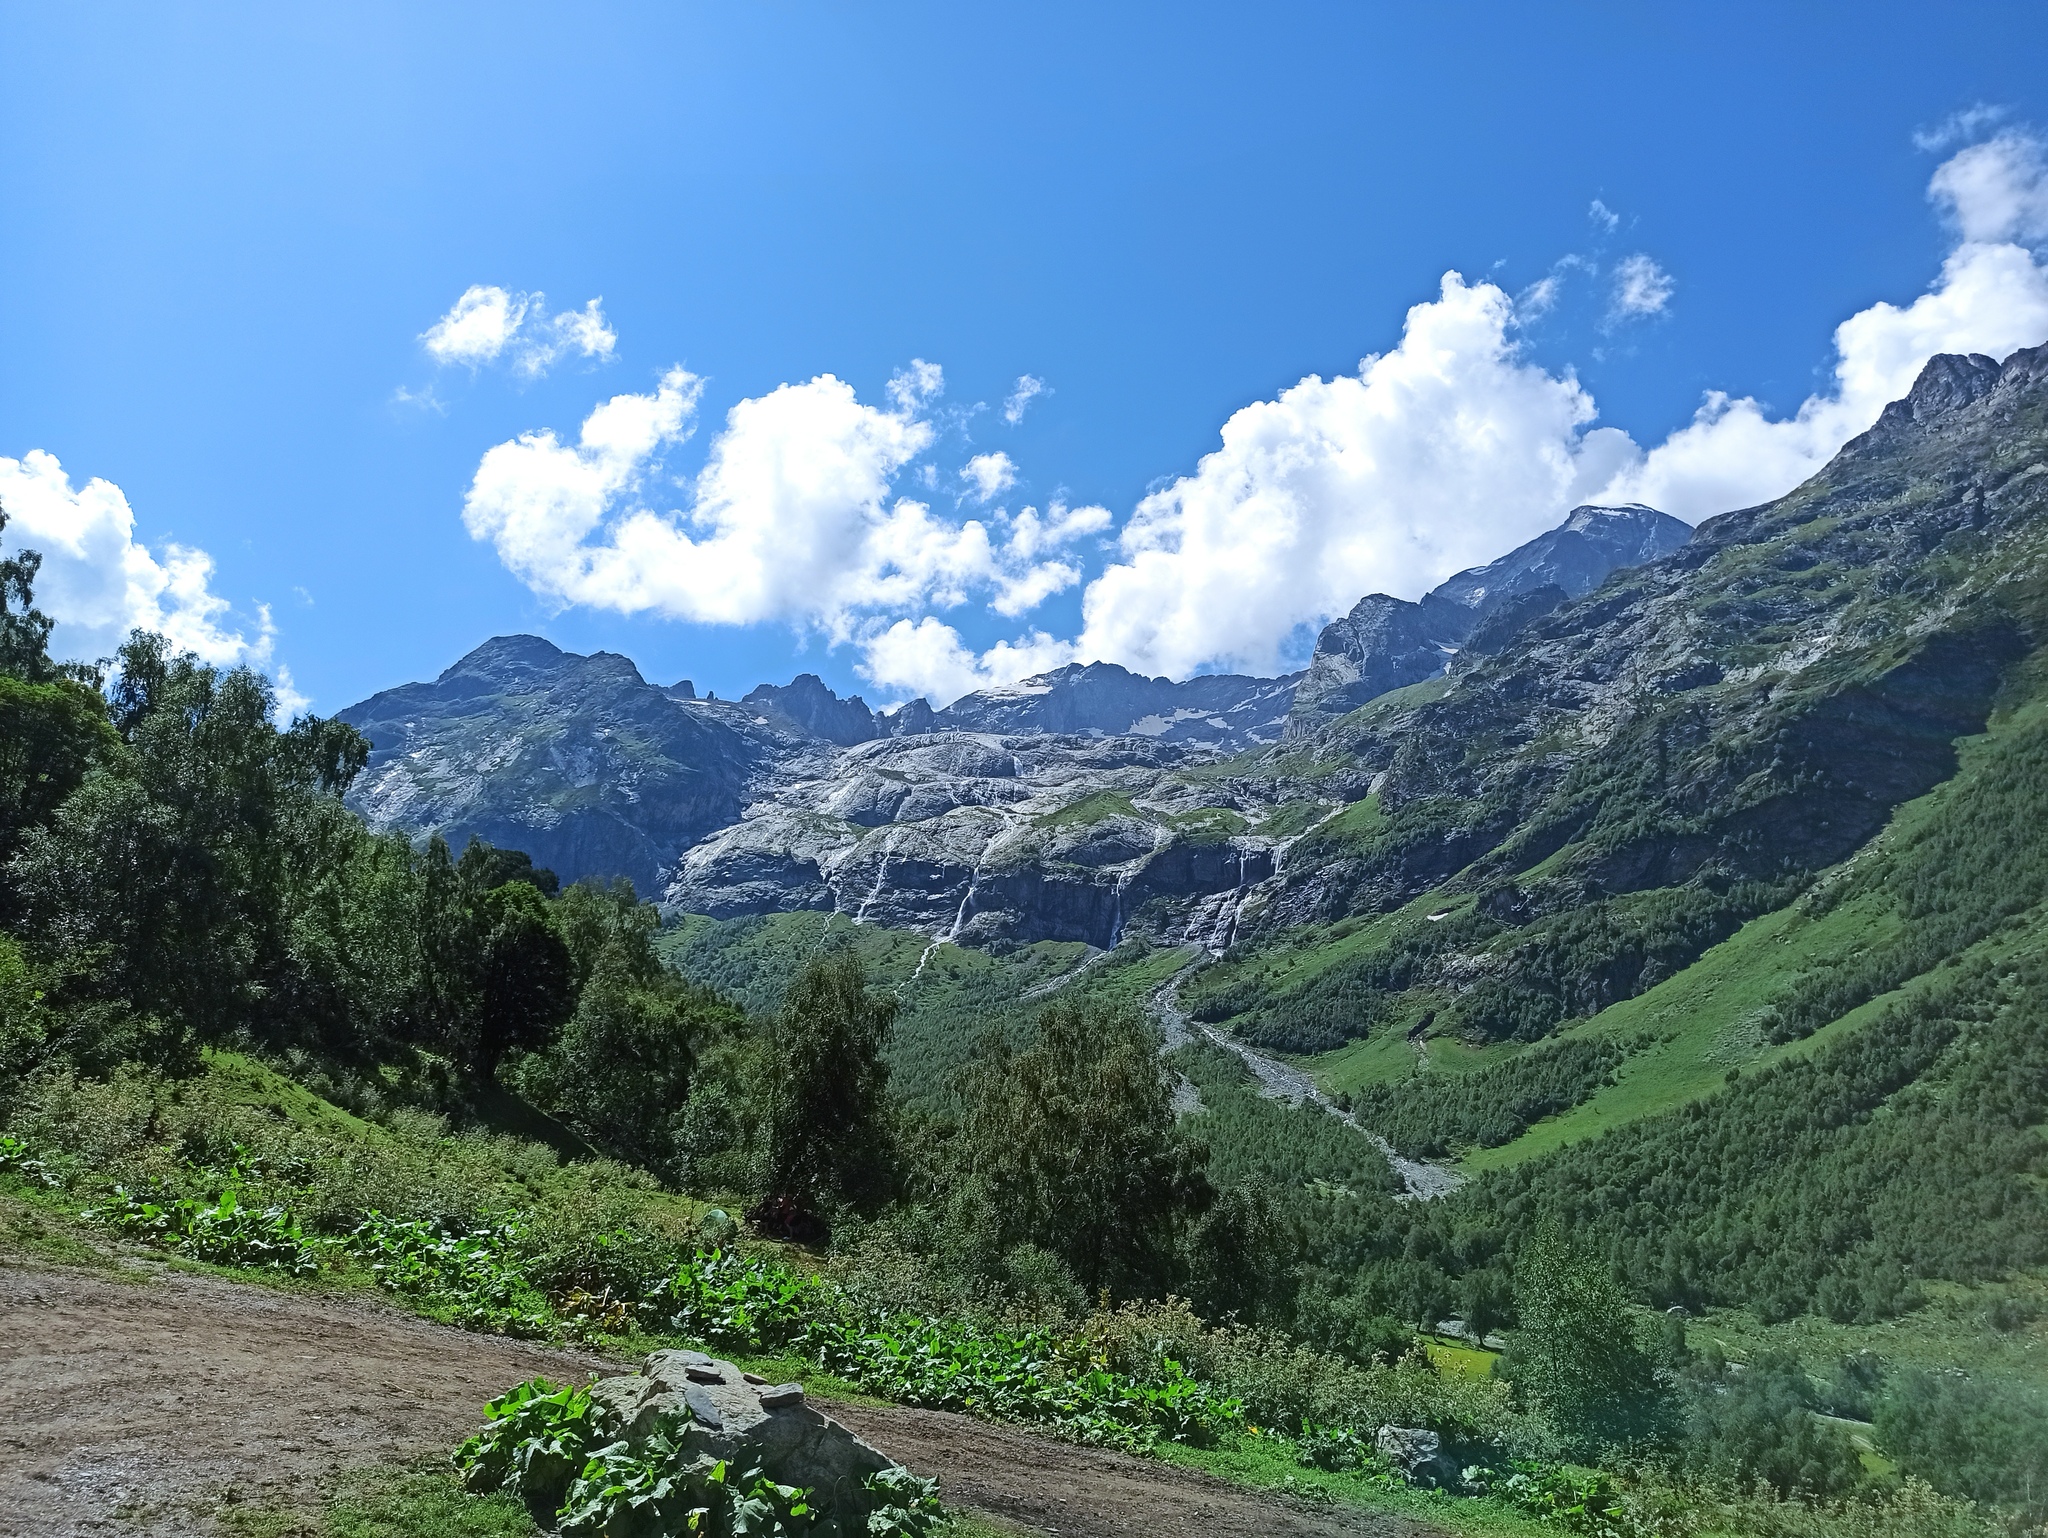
column 534, row 1443
column 1969, row 1436
column 1759, row 1427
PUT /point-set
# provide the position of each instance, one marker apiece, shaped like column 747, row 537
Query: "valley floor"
column 146, row 1401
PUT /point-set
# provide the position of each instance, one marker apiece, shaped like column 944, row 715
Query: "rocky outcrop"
column 987, row 839
column 1383, row 644
column 714, row 1410
column 808, row 706
column 579, row 761
column 1578, row 555
column 1389, row 644
column 1386, row 643
column 1101, row 699
column 1418, row 1453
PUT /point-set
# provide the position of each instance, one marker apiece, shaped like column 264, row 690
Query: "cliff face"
column 577, row 760
column 1386, row 643
column 1622, row 705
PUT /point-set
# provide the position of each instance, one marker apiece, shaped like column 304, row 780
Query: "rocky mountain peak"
column 1104, row 699
column 1949, row 380
column 808, row 704
column 1577, row 555
column 504, row 656
column 1387, row 643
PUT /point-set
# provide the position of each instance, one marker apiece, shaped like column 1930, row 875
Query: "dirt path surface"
column 138, row 1407
column 1084, row 1492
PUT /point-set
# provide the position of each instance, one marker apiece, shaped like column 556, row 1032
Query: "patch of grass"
column 32, row 1229
column 981, row 1524
column 1705, row 1024
column 1380, row 706
column 387, row 1503
column 1294, row 817
column 1269, row 1464
column 1089, row 810
column 1208, row 824
column 1455, row 1359
column 1356, row 824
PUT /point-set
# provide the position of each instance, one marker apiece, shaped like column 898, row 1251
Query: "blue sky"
column 229, row 230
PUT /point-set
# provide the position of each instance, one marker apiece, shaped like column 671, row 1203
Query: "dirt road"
column 140, row 1408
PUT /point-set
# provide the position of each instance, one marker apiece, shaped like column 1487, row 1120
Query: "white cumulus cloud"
column 98, row 582
column 1442, row 453
column 1450, row 449
column 488, row 323
column 793, row 517
column 927, row 657
column 1959, row 127
column 1436, row 456
column 1996, row 191
column 988, row 476
column 1991, row 297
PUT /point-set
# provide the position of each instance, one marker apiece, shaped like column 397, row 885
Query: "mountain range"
column 1053, row 808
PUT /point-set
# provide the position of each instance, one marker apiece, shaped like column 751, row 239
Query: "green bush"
column 472, row 1273
column 1759, row 1427
column 1969, row 1436
column 224, row 1232
column 535, row 1440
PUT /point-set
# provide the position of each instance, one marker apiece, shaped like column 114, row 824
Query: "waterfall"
column 881, row 874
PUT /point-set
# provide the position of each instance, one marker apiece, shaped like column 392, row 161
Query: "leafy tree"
column 50, row 734
column 1969, row 1436
column 1486, row 1302
column 485, row 867
column 523, row 986
column 24, row 629
column 1231, row 1255
column 828, row 1130
column 621, row 1071
column 174, row 861
column 1071, row 1145
column 605, row 920
column 1575, row 1356
column 53, row 724
column 1758, row 1426
column 24, row 1032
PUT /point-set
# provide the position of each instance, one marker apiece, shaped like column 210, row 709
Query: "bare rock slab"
column 747, row 1423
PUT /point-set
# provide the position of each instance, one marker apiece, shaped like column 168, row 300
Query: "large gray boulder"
column 731, row 1415
column 1418, row 1453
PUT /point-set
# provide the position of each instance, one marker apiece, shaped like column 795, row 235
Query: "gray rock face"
column 1578, row 555
column 1102, row 699
column 986, row 839
column 1418, row 1454
column 1067, row 806
column 750, row 1425
column 1381, row 645
column 1386, row 643
column 577, row 760
column 808, row 706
